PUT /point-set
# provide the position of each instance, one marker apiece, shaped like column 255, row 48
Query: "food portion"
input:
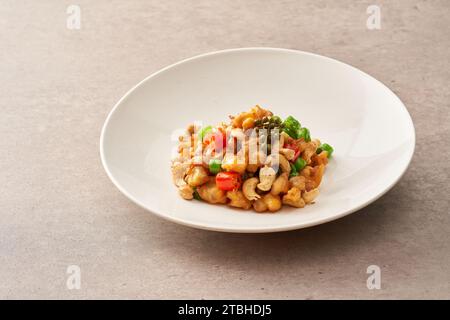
column 256, row 160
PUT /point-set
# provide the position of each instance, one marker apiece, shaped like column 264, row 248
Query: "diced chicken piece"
column 238, row 200
column 186, row 192
column 197, row 176
column 294, row 198
column 272, row 202
column 309, row 196
column 210, row 193
column 259, row 205
column 298, row 182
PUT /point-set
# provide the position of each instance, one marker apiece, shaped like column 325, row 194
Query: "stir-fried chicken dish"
column 256, row 160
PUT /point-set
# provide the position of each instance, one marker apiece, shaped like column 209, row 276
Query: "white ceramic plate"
column 368, row 126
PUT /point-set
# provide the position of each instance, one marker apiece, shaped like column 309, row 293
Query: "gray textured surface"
column 57, row 207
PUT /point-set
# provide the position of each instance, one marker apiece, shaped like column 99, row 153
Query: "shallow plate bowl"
column 368, row 126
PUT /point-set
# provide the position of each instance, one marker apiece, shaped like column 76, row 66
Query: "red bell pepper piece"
column 295, row 148
column 228, row 180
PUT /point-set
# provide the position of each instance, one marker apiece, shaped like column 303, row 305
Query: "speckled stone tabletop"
column 60, row 216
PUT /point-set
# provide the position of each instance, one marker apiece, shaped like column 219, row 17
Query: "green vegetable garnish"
column 304, row 133
column 203, row 132
column 325, row 147
column 293, row 172
column 299, row 164
column 214, row 166
column 276, row 119
column 292, row 127
column 196, row 195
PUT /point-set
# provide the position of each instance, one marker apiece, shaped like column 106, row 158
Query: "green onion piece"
column 325, row 147
column 203, row 132
column 215, row 166
column 299, row 164
column 293, row 172
column 292, row 127
column 304, row 133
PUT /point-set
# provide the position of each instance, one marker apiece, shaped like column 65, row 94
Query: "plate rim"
column 205, row 226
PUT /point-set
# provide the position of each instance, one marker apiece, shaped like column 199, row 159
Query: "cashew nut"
column 284, row 164
column 266, row 176
column 280, row 185
column 281, row 161
column 248, row 188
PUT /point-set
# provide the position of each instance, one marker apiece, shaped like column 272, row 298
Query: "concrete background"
column 58, row 208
